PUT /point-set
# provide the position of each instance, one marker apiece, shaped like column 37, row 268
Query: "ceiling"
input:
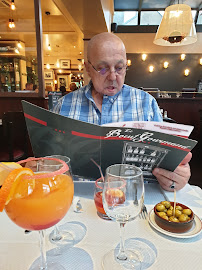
column 154, row 5
column 69, row 22
column 66, row 26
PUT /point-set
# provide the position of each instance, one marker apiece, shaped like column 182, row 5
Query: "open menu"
column 53, row 134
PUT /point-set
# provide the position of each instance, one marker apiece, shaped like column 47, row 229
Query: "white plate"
column 194, row 231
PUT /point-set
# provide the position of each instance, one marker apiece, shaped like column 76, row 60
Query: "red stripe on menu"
column 35, row 119
column 96, row 137
column 177, row 147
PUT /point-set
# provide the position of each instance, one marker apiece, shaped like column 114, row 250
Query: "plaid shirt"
column 130, row 104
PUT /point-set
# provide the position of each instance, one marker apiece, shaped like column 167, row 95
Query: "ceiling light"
column 144, row 56
column 200, row 61
column 151, row 68
column 49, row 47
column 165, row 64
column 12, row 6
column 186, row 72
column 60, row 70
column 177, row 27
column 182, row 56
column 48, row 66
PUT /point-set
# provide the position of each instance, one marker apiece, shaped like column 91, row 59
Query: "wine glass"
column 42, row 200
column 123, row 197
column 60, row 236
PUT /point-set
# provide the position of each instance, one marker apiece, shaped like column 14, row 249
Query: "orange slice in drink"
column 15, row 186
column 6, row 168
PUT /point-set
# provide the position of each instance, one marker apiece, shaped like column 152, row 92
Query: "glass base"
column 111, row 262
column 63, row 238
column 50, row 266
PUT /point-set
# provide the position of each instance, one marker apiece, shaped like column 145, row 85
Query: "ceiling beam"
column 197, row 12
column 139, row 11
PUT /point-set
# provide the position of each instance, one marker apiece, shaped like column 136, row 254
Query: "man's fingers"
column 186, row 159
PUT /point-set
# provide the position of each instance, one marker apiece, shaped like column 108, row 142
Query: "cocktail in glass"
column 41, row 201
column 99, row 184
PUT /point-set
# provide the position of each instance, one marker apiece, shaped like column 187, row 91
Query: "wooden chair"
column 15, row 137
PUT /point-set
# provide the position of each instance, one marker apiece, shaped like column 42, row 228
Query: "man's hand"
column 180, row 176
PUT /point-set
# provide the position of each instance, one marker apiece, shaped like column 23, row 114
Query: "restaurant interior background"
column 47, row 47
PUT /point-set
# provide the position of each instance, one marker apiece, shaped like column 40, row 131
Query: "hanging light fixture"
column 177, row 27
column 47, row 37
column 12, row 6
column 11, row 23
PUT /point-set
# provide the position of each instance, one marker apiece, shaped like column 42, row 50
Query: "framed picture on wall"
column 65, row 63
column 62, row 81
column 48, row 83
column 48, row 75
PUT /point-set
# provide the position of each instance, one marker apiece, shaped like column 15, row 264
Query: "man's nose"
column 112, row 75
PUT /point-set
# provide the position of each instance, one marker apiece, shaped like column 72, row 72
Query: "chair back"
column 16, row 135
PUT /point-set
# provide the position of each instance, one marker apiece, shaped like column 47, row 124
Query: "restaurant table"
column 94, row 236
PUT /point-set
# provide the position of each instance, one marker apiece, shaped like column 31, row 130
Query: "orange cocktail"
column 45, row 206
column 38, row 200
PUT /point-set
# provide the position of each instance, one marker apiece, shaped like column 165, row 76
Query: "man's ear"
column 87, row 68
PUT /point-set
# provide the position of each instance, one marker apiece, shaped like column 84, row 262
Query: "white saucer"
column 194, row 231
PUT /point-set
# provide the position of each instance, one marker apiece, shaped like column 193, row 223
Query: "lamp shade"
column 177, row 27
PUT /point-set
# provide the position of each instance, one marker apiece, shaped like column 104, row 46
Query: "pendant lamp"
column 177, row 27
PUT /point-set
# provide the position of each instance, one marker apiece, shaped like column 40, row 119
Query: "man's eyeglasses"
column 104, row 71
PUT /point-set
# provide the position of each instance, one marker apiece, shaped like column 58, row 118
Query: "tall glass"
column 123, row 197
column 42, row 200
column 61, row 236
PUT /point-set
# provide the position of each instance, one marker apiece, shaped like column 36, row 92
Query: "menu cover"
column 53, row 134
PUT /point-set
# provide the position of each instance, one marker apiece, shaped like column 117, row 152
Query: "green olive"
column 169, row 213
column 187, row 211
column 161, row 214
column 166, row 204
column 160, row 207
column 173, row 219
column 178, row 207
column 178, row 213
column 165, row 217
column 183, row 218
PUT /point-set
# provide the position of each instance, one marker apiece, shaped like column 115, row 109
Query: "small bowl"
column 175, row 227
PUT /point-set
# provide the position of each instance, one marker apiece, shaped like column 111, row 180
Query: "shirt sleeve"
column 156, row 113
column 58, row 106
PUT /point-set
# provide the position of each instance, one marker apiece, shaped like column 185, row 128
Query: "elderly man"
column 107, row 99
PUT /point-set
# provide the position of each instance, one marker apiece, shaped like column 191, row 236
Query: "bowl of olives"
column 181, row 222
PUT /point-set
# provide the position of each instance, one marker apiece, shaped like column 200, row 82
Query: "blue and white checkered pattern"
column 130, row 104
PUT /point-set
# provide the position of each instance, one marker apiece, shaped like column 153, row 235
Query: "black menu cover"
column 53, row 134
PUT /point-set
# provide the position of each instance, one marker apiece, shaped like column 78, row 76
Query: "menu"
column 53, row 134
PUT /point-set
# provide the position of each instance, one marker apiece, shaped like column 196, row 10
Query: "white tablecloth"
column 18, row 251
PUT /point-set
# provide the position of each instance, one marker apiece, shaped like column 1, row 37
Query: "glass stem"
column 42, row 250
column 56, row 234
column 121, row 255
